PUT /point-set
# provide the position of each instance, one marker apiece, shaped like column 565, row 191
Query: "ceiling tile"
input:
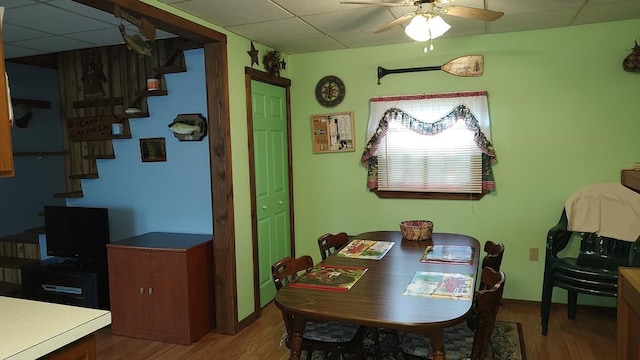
column 292, row 26
column 365, row 20
column 50, row 19
column 608, row 11
column 229, row 13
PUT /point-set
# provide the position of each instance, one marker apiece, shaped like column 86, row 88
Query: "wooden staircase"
column 82, row 153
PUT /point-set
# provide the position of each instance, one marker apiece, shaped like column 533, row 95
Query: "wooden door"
column 6, row 150
column 271, row 166
column 127, row 291
column 167, row 307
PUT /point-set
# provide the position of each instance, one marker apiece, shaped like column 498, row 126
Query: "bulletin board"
column 333, row 132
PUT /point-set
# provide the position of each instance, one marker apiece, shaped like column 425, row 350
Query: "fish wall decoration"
column 189, row 127
column 135, row 43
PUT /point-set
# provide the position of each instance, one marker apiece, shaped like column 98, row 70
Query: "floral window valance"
column 459, row 110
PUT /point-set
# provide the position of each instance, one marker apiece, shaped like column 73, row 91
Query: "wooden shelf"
column 84, row 176
column 100, row 156
column 67, row 195
column 40, row 104
column 7, row 288
column 38, row 153
column 631, row 179
column 15, row 262
column 29, row 236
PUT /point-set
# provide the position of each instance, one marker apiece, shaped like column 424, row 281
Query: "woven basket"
column 416, row 229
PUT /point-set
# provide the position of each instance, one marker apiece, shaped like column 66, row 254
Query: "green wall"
column 562, row 113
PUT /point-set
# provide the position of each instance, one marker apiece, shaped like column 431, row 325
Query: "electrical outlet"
column 533, row 254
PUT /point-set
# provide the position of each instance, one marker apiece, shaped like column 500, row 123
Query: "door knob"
column 264, row 207
column 280, row 202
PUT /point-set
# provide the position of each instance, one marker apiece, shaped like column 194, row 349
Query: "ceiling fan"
column 431, row 8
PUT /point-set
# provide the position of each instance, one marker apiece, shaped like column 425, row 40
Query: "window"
column 433, row 146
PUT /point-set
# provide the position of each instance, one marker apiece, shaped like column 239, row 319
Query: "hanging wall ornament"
column 271, row 62
column 189, row 127
column 632, row 62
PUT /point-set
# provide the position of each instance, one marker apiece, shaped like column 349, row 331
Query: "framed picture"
column 333, row 132
column 152, row 149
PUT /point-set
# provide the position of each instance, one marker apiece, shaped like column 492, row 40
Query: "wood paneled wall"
column 104, row 82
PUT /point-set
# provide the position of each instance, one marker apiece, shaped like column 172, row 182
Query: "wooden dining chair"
column 330, row 243
column 486, row 303
column 493, row 255
column 493, row 259
column 332, row 338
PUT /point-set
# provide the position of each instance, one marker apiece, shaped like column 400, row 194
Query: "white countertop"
column 30, row 329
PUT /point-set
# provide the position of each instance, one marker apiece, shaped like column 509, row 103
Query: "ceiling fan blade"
column 395, row 22
column 376, row 3
column 473, row 13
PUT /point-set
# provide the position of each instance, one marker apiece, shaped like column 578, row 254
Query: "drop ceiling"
column 35, row 27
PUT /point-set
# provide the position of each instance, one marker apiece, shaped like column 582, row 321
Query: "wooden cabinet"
column 161, row 286
column 631, row 179
column 6, row 149
column 15, row 251
column 628, row 321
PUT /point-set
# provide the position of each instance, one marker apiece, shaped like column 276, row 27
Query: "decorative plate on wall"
column 330, row 91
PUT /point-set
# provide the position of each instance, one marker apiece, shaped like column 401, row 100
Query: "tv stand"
column 67, row 282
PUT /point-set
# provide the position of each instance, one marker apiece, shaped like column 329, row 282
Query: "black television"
column 78, row 233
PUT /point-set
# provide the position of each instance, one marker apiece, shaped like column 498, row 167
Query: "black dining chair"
column 332, row 338
column 486, row 304
column 594, row 271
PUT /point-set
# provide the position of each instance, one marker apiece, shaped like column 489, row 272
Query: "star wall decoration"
column 254, row 55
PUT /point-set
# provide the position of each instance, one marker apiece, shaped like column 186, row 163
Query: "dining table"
column 377, row 300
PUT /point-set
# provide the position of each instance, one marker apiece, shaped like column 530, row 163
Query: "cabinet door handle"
column 264, row 207
column 150, row 291
column 141, row 290
column 280, row 202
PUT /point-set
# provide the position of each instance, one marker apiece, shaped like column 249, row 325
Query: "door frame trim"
column 257, row 75
column 217, row 88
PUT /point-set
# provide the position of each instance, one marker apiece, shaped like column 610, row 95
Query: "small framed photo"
column 152, row 149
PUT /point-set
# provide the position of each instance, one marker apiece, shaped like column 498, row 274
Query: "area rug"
column 507, row 343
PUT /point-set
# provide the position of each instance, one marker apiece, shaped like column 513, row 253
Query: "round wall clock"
column 330, row 91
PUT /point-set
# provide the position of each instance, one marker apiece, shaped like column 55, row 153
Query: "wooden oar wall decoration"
column 466, row 66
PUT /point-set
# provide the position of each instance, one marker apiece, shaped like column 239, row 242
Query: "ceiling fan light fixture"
column 425, row 27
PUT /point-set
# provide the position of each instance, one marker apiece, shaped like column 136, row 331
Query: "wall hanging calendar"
column 333, row 132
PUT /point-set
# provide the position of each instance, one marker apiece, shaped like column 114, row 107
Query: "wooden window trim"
column 426, row 195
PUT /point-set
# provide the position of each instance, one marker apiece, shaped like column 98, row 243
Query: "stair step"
column 100, row 156
column 84, row 176
column 170, row 69
column 121, row 136
column 66, row 195
column 135, row 115
column 148, row 93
